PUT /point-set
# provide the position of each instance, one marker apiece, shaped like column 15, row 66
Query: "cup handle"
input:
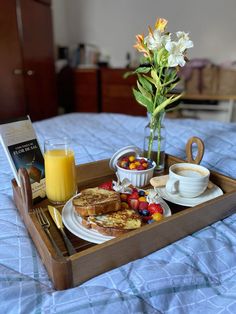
column 172, row 186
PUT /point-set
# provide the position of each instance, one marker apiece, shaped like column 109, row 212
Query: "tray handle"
column 25, row 188
column 200, row 150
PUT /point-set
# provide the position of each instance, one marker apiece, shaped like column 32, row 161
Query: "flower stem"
column 151, row 137
column 155, row 135
column 158, row 141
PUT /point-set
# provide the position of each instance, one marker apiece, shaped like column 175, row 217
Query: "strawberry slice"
column 143, row 205
column 155, row 208
column 134, row 195
column 133, row 203
column 106, row 186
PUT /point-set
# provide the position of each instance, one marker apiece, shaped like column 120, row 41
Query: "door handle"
column 17, row 71
column 30, row 72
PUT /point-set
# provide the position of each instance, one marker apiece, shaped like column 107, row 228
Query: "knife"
column 56, row 216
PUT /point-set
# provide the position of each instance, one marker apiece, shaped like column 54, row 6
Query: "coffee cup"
column 187, row 179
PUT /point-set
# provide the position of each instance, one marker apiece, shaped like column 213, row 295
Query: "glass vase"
column 155, row 140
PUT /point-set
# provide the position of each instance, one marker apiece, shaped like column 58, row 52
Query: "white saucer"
column 209, row 194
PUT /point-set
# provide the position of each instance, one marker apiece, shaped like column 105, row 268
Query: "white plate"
column 73, row 223
column 209, row 194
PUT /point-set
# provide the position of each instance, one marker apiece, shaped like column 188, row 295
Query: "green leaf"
column 145, row 83
column 171, row 109
column 150, row 79
column 169, row 89
column 142, row 100
column 159, row 56
column 160, row 99
column 143, row 69
column 156, row 79
column 138, row 70
column 127, row 74
column 168, row 101
column 156, row 57
column 144, row 91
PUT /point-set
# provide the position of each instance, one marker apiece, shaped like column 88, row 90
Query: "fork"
column 45, row 224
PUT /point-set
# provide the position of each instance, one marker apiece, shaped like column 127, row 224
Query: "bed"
column 193, row 275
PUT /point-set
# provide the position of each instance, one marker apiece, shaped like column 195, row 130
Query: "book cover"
column 22, row 149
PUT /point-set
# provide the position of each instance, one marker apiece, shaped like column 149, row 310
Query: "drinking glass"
column 60, row 171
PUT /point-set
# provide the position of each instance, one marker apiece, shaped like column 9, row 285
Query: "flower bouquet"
column 157, row 76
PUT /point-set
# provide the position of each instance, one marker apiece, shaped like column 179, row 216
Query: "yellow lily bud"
column 161, row 24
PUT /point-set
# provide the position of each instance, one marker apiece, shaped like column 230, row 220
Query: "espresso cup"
column 187, row 180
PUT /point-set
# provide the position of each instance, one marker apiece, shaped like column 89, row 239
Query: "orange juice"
column 60, row 175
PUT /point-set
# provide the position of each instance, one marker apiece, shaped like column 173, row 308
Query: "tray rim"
column 71, row 265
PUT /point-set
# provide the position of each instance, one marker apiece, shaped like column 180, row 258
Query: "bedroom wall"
column 112, row 25
column 60, row 26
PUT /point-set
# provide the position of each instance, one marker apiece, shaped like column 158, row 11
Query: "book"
column 22, row 149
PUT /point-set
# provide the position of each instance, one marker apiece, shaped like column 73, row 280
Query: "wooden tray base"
column 94, row 259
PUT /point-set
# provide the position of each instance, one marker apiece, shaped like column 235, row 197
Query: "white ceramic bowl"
column 138, row 178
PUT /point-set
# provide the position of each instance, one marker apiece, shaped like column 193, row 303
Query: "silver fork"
column 45, row 224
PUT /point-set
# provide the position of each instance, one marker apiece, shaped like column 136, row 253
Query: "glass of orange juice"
column 60, row 171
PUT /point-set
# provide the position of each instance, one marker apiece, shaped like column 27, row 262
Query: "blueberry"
column 141, row 193
column 144, row 212
column 150, row 164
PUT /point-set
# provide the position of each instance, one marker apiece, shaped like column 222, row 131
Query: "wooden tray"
column 94, row 259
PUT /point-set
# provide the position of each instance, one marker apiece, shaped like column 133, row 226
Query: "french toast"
column 115, row 223
column 96, row 201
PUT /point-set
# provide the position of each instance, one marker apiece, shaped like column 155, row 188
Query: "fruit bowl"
column 139, row 176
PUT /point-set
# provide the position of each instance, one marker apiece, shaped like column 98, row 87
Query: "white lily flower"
column 184, row 39
column 176, row 56
column 165, row 39
column 154, row 41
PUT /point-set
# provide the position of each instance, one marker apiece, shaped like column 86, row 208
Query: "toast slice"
column 115, row 223
column 96, row 201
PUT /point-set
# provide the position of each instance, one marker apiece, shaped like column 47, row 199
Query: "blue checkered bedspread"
column 196, row 274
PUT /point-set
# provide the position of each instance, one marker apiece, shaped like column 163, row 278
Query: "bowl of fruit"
column 129, row 164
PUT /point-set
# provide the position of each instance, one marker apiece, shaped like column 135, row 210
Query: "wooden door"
column 12, row 98
column 38, row 55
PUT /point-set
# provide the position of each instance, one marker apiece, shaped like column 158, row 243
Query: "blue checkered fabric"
column 196, row 274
